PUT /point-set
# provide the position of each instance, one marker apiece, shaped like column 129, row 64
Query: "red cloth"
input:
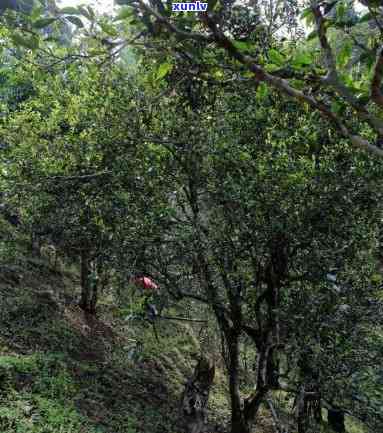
column 146, row 283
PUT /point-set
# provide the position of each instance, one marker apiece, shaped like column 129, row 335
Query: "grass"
column 61, row 372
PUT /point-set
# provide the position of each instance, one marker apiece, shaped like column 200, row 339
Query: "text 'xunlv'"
column 189, row 7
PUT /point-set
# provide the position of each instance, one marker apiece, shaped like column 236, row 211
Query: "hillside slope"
column 64, row 372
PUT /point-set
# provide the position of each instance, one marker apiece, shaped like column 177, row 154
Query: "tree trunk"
column 273, row 370
column 308, row 408
column 335, row 419
column 94, row 298
column 239, row 425
column 89, row 293
column 35, row 245
column 300, row 408
column 196, row 396
column 238, row 422
column 85, row 280
column 309, row 401
column 95, row 271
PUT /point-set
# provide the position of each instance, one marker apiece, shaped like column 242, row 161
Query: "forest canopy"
column 235, row 156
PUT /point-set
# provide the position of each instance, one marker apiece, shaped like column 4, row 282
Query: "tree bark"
column 89, row 294
column 301, row 411
column 35, row 245
column 308, row 408
column 238, row 421
column 196, row 396
column 335, row 419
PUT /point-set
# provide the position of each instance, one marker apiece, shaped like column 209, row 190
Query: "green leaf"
column 344, row 54
column 124, row 13
column 305, row 13
column 163, row 70
column 312, row 35
column 302, row 59
column 298, row 84
column 43, row 22
column 70, row 11
column 76, row 21
column 308, row 16
column 32, row 42
column 276, row 57
column 336, row 107
column 341, row 10
column 367, row 58
column 365, row 18
column 271, row 67
column 248, row 74
column 262, row 91
column 217, row 73
column 241, row 45
column 108, row 29
column 363, row 98
column 91, row 13
column 212, row 4
column 37, row 12
column 85, row 13
column 376, row 278
column 52, row 39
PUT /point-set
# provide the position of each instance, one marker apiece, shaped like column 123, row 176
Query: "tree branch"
column 260, row 74
column 333, row 79
column 78, row 177
column 170, row 26
column 284, row 87
column 184, row 319
column 376, row 94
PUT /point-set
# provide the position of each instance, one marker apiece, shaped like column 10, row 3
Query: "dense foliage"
column 223, row 154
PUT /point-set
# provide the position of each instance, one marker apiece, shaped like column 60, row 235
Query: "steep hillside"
column 63, row 371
